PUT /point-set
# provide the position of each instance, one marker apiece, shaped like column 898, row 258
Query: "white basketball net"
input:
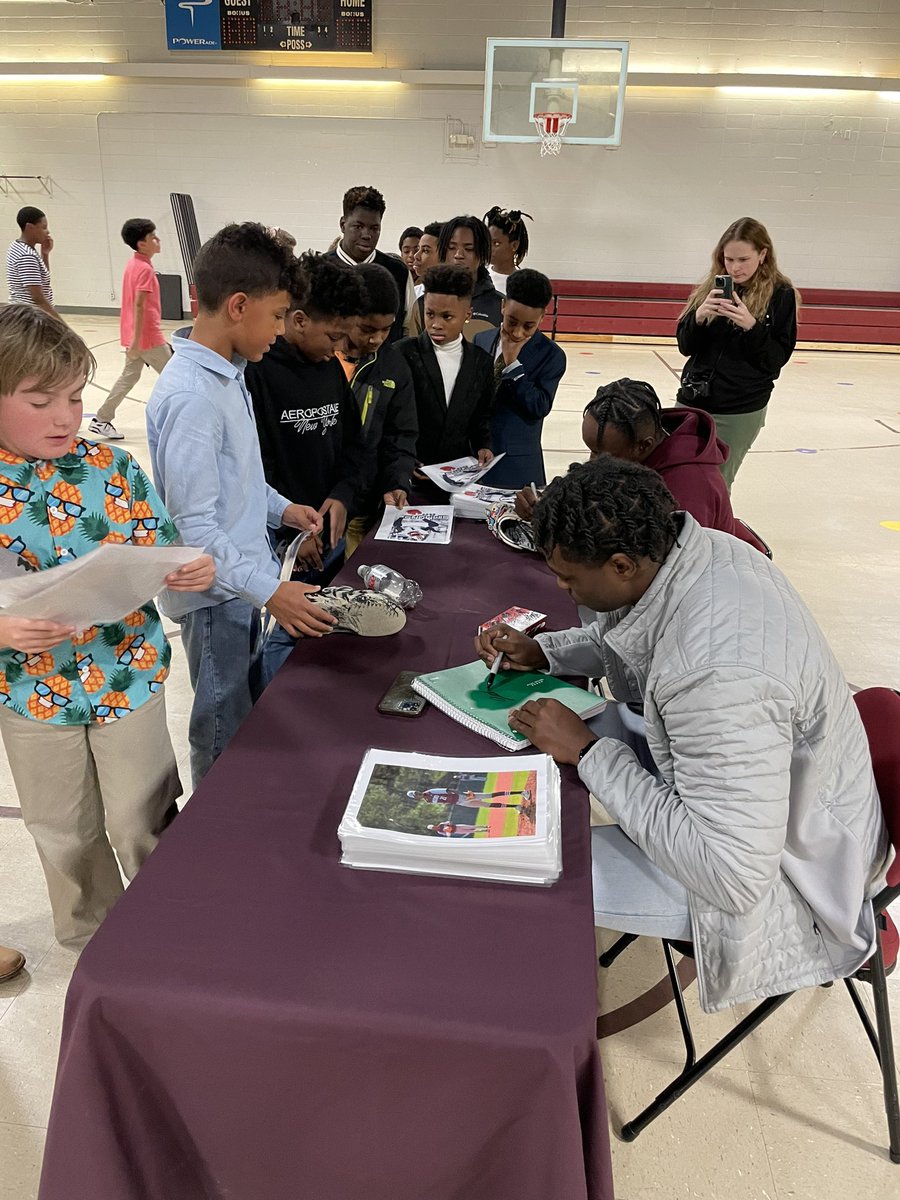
column 552, row 128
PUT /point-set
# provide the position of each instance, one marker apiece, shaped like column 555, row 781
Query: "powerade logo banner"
column 194, row 24
column 296, row 26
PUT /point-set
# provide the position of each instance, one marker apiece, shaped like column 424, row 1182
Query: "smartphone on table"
column 400, row 700
column 725, row 284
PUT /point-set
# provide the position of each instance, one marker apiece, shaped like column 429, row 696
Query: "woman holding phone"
column 739, row 328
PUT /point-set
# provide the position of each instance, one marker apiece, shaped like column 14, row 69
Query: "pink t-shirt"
column 140, row 277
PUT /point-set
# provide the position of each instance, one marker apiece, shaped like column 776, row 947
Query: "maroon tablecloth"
column 255, row 1021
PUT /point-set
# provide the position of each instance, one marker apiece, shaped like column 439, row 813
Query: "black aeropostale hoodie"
column 309, row 428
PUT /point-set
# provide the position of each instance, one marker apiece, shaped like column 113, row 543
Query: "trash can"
column 170, row 297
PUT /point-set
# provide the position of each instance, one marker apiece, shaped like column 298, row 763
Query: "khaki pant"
column 156, row 357
column 357, row 529
column 83, row 787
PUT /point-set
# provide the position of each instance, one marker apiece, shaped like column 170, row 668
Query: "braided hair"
column 512, row 224
column 629, row 405
column 480, row 237
column 606, row 507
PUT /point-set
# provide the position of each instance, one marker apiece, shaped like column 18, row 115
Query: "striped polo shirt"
column 25, row 269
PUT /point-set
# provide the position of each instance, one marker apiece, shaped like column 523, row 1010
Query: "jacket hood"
column 484, row 286
column 289, row 357
column 691, row 439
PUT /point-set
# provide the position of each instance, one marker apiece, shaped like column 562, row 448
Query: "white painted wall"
column 822, row 171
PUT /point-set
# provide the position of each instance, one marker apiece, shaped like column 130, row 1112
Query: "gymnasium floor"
column 794, row 1113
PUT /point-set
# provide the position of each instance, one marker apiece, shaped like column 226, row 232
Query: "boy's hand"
column 310, row 554
column 552, row 728
column 397, row 498
column 508, row 348
column 32, row 636
column 521, row 653
column 301, row 516
column 293, row 609
column 194, row 576
column 133, row 353
column 484, row 457
column 337, row 517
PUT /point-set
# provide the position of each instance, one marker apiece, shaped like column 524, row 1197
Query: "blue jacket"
column 525, row 394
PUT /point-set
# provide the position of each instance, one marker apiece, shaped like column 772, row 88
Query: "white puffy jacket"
column 765, row 809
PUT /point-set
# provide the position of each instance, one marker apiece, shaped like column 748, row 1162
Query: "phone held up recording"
column 725, row 284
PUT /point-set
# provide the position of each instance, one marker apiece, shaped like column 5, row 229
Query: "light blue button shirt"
column 208, row 470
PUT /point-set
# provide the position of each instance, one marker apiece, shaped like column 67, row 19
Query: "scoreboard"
column 298, row 26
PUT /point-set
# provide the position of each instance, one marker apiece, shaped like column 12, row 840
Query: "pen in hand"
column 494, row 668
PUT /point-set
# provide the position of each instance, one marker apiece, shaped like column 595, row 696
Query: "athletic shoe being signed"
column 368, row 614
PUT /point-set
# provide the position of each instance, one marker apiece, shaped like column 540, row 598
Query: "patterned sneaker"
column 506, row 525
column 369, row 614
column 105, row 429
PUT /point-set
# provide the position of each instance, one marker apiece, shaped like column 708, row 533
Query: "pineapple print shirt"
column 51, row 512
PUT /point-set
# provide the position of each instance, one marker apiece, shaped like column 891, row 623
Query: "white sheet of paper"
column 103, row 586
column 420, row 524
column 459, row 473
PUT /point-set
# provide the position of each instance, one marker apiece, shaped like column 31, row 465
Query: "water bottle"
column 380, row 578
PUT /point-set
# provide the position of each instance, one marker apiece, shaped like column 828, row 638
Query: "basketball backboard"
column 577, row 76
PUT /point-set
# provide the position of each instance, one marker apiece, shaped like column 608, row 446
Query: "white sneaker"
column 369, row 614
column 105, row 429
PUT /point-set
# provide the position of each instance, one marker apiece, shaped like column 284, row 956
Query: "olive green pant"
column 738, row 431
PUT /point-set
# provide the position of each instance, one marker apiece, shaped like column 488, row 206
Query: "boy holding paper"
column 82, row 713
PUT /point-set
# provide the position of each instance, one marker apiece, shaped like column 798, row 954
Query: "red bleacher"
column 587, row 308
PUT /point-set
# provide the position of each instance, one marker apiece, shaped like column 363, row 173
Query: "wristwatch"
column 586, row 747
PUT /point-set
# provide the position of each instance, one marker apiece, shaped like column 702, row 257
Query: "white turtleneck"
column 449, row 359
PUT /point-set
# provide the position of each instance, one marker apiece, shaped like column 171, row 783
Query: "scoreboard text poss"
column 292, row 25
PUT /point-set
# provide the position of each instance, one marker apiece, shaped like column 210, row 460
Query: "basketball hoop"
column 552, row 128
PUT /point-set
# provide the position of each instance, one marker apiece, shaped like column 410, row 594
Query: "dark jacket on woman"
column 741, row 366
column 463, row 426
column 525, row 395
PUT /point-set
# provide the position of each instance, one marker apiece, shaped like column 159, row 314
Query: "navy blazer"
column 524, row 397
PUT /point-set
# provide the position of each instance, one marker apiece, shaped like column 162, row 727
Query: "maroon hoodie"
column 688, row 460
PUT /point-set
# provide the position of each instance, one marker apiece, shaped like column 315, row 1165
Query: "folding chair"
column 880, row 712
column 754, row 539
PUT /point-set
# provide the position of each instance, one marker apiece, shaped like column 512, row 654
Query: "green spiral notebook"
column 460, row 692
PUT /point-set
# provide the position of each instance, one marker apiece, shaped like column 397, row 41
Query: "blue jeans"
column 222, row 647
column 276, row 648
column 279, row 643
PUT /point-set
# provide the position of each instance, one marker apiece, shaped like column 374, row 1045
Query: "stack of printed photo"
column 478, row 818
column 478, row 500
